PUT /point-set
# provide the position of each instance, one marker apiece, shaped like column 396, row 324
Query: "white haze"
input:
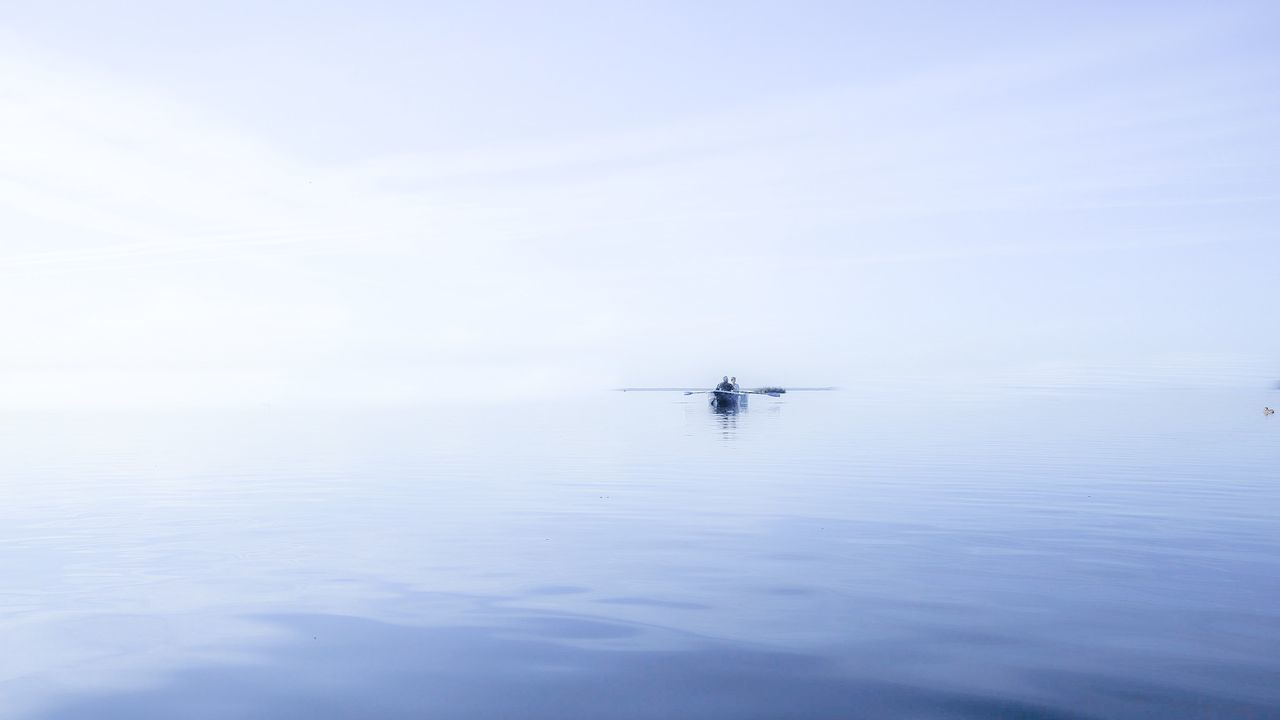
column 307, row 205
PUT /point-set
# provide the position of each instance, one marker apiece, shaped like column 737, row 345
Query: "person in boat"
column 734, row 382
column 725, row 384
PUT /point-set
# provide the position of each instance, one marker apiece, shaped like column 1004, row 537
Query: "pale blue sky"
column 311, row 202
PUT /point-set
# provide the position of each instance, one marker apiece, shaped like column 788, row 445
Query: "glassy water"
column 887, row 554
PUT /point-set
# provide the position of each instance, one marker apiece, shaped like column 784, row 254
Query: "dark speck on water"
column 868, row 553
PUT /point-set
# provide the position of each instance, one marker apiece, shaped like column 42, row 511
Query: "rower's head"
column 733, row 379
column 725, row 378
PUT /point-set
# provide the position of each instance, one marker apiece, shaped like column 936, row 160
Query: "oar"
column 770, row 393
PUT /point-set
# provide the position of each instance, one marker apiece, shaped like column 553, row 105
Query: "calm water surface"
column 859, row 554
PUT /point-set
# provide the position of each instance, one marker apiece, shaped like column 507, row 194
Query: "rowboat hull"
column 728, row 400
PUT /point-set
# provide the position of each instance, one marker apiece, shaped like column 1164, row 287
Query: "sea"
column 879, row 552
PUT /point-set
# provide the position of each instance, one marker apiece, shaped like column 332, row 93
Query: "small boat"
column 728, row 398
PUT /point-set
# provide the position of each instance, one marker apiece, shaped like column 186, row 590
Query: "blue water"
column 887, row 553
